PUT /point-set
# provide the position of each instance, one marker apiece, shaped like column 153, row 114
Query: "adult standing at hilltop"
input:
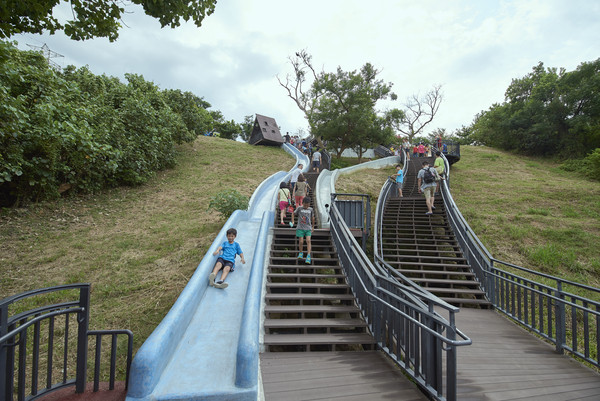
column 406, row 147
column 440, row 167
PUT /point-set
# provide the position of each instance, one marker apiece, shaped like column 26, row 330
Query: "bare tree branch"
column 302, row 64
column 420, row 111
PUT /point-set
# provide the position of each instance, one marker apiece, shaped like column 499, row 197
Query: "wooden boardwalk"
column 348, row 376
column 505, row 362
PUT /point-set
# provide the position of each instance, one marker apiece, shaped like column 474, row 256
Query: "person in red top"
column 421, row 149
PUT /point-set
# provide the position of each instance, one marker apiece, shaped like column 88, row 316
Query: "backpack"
column 428, row 176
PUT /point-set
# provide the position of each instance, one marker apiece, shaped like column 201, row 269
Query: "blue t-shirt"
column 400, row 176
column 230, row 251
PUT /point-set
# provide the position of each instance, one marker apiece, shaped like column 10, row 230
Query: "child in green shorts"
column 306, row 223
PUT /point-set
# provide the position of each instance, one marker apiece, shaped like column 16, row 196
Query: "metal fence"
column 402, row 318
column 356, row 213
column 45, row 348
column 563, row 312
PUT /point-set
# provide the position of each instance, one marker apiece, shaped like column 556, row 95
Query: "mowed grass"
column 528, row 212
column 138, row 247
column 367, row 181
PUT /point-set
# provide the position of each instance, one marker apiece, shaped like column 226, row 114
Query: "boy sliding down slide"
column 226, row 261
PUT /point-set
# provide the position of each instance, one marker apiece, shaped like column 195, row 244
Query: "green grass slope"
column 138, row 247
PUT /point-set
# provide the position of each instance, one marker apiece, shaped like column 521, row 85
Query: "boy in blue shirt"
column 229, row 250
column 399, row 178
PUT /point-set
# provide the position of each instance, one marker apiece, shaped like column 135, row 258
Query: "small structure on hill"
column 265, row 132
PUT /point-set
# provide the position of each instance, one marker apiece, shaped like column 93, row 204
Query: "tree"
column 547, row 112
column 192, row 110
column 303, row 97
column 340, row 106
column 94, row 18
column 228, row 129
column 344, row 111
column 247, row 127
column 419, row 112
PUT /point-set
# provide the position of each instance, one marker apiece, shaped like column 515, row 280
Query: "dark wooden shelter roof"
column 265, row 132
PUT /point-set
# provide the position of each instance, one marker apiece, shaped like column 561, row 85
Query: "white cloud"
column 473, row 48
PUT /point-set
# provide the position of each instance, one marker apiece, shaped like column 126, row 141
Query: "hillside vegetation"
column 137, row 246
column 529, row 212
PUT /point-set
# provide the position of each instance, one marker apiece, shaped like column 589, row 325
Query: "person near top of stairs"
column 398, row 178
column 306, row 224
column 294, row 176
column 427, row 186
column 285, row 200
column 316, row 160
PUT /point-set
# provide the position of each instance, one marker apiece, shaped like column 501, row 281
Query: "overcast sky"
column 473, row 48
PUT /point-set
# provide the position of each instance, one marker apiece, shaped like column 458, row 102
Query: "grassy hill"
column 139, row 246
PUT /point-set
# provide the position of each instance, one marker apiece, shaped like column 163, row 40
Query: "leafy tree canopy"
column 344, row 111
column 547, row 112
column 341, row 106
column 94, row 18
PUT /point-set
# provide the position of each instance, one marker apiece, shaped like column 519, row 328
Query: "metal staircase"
column 424, row 249
column 310, row 307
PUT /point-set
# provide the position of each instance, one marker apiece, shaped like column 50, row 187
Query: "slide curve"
column 206, row 347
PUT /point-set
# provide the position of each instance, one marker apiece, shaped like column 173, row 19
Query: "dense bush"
column 228, row 201
column 548, row 112
column 589, row 167
column 77, row 130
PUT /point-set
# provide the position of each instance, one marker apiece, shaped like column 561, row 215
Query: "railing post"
column 491, row 284
column 82, row 338
column 560, row 319
column 3, row 352
column 433, row 371
column 451, row 366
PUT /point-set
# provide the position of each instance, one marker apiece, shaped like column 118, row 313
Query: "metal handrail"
column 565, row 319
column 401, row 319
column 21, row 329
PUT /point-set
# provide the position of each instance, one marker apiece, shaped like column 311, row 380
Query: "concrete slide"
column 206, row 347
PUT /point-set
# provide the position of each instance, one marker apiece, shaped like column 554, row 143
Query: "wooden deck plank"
column 334, row 376
column 506, row 362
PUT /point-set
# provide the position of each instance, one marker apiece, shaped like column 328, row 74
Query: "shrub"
column 228, row 201
column 594, row 164
column 590, row 166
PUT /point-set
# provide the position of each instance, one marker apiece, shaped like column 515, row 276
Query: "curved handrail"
column 403, row 310
column 527, row 303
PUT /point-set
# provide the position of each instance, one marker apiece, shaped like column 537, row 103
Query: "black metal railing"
column 356, row 212
column 384, row 194
column 449, row 149
column 45, row 348
column 401, row 318
column 325, row 159
column 545, row 304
